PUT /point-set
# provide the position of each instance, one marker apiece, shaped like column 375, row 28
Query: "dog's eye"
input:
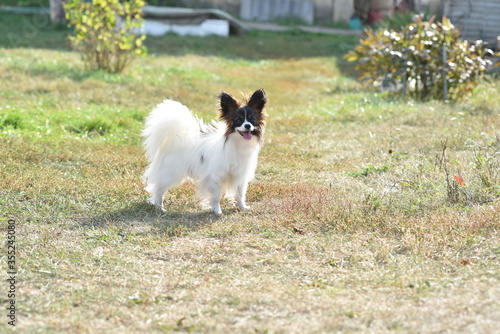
column 238, row 120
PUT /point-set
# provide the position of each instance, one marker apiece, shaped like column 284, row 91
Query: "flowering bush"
column 421, row 58
column 104, row 32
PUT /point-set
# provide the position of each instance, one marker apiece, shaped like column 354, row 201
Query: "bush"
column 104, row 32
column 412, row 60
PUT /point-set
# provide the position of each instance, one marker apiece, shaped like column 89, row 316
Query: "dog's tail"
column 170, row 127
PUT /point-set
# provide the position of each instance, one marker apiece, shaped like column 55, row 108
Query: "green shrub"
column 412, row 60
column 104, row 32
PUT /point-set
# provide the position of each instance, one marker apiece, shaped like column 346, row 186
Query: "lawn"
column 370, row 213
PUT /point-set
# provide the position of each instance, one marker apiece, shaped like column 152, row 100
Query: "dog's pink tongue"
column 247, row 135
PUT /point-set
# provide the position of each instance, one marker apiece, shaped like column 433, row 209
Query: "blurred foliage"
column 398, row 20
column 26, row 3
column 412, row 60
column 104, row 32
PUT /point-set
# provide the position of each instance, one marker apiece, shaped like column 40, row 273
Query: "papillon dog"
column 221, row 156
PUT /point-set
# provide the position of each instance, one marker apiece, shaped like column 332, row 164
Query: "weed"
column 486, row 165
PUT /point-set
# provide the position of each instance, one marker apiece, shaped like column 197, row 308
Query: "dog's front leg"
column 240, row 196
column 216, row 208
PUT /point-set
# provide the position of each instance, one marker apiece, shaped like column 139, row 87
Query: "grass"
column 357, row 222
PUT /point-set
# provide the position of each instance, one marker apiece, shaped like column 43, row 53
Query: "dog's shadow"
column 144, row 218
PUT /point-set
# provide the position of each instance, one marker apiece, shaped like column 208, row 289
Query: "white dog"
column 221, row 156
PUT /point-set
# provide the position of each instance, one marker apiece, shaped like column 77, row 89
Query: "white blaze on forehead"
column 245, row 132
column 242, row 127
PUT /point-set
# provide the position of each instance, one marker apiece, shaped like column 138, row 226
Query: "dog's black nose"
column 247, row 126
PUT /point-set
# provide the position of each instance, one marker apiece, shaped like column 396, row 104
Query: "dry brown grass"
column 352, row 227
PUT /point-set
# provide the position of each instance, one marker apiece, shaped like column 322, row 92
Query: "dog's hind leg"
column 160, row 188
column 215, row 200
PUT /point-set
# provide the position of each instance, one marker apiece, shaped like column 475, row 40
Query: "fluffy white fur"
column 180, row 147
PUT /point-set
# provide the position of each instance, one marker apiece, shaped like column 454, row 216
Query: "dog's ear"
column 258, row 100
column 228, row 103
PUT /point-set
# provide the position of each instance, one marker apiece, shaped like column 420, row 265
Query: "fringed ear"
column 258, row 100
column 228, row 103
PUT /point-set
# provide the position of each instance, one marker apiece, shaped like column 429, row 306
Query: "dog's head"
column 246, row 118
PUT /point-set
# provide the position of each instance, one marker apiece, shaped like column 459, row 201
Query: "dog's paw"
column 217, row 211
column 243, row 207
column 158, row 207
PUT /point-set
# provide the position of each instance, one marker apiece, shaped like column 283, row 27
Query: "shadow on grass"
column 145, row 219
column 35, row 31
column 255, row 46
column 78, row 74
column 32, row 31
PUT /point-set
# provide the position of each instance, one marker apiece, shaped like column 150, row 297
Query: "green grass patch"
column 369, row 169
column 12, row 120
column 98, row 125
